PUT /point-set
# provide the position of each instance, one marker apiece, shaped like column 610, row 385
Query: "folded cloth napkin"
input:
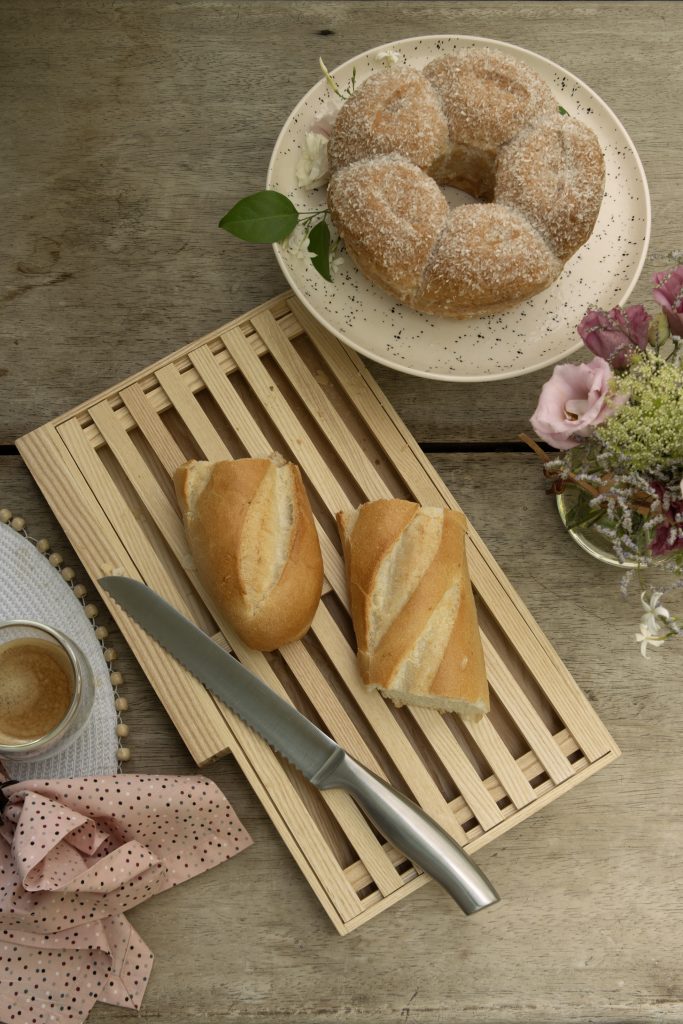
column 74, row 855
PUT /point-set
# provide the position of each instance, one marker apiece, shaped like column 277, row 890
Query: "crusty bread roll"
column 412, row 605
column 250, row 529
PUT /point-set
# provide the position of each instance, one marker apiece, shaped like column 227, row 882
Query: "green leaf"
column 658, row 331
column 563, row 111
column 264, row 217
column 319, row 248
column 574, row 521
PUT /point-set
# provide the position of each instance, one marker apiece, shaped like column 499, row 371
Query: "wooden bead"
column 101, row 632
column 91, row 611
column 122, row 729
column 43, row 545
column 55, row 559
column 68, row 574
column 110, row 655
column 80, row 591
column 123, row 753
column 121, row 704
column 5, row 515
column 116, row 678
column 18, row 523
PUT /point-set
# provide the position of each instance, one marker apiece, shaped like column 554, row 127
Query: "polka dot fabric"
column 75, row 854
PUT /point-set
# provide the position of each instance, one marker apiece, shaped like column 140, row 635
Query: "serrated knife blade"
column 323, row 762
column 280, row 724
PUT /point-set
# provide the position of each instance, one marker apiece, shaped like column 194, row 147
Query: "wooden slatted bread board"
column 276, row 380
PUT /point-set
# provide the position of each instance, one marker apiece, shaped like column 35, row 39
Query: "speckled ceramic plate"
column 535, row 333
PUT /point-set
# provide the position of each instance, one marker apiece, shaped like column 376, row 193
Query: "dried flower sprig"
column 618, row 424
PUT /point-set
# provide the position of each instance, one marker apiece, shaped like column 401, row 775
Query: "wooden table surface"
column 129, row 127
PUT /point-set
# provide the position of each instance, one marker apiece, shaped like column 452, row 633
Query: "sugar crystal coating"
column 482, row 122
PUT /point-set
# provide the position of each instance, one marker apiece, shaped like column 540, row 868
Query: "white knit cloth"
column 31, row 588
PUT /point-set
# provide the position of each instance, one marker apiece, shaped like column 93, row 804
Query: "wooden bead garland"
column 91, row 610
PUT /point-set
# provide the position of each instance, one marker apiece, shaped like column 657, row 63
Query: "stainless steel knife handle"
column 411, row 831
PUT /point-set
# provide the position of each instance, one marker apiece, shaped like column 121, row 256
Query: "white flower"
column 644, row 639
column 311, row 168
column 325, row 123
column 336, row 263
column 297, row 243
column 387, row 58
column 654, row 625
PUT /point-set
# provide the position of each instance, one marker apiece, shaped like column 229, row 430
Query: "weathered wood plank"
column 115, row 200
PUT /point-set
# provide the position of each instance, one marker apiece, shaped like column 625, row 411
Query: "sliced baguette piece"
column 252, row 537
column 412, row 605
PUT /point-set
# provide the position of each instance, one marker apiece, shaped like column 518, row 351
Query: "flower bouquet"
column 617, row 422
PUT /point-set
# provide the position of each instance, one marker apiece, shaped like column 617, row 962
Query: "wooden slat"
column 524, row 715
column 256, row 444
column 161, row 572
column 277, row 409
column 491, row 583
column 458, row 766
column 319, row 406
column 502, row 762
column 191, row 412
column 154, row 430
column 150, row 492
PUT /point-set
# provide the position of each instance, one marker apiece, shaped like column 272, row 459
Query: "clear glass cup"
column 44, row 678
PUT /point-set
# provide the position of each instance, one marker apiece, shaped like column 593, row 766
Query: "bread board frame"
column 275, row 379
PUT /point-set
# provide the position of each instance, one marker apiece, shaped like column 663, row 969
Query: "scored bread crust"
column 251, row 533
column 412, row 605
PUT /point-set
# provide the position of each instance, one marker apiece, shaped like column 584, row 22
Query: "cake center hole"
column 456, row 197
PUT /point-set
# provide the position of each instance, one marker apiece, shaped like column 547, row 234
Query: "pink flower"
column 615, row 335
column 574, row 402
column 669, row 294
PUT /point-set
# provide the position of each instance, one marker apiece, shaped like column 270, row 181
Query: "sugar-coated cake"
column 481, row 122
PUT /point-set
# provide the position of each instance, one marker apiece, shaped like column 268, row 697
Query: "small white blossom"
column 297, row 243
column 336, row 263
column 325, row 123
column 311, row 168
column 654, row 625
column 645, row 640
column 387, row 58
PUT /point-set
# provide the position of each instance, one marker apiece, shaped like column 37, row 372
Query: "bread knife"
column 322, row 761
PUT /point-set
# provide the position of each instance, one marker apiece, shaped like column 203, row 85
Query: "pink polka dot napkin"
column 74, row 855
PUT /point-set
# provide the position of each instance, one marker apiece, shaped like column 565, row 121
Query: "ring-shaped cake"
column 488, row 125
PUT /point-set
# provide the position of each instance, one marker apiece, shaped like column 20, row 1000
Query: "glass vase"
column 586, row 535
